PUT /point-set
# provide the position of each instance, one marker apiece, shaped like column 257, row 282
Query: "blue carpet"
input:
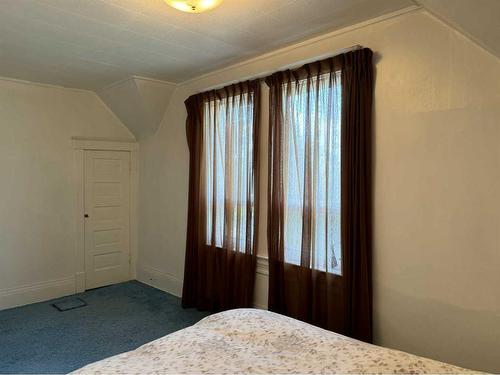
column 40, row 339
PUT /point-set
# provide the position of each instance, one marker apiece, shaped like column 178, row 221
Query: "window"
column 311, row 117
column 228, row 171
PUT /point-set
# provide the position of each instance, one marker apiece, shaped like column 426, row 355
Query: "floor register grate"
column 69, row 304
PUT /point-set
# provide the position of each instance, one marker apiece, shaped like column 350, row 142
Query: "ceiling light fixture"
column 193, row 6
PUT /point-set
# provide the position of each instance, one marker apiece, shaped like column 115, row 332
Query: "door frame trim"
column 80, row 145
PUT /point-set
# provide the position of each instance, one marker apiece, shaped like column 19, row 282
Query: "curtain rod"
column 292, row 66
column 313, row 59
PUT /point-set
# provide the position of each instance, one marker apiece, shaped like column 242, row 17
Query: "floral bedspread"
column 257, row 341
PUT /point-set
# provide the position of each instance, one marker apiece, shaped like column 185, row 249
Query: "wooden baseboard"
column 159, row 279
column 36, row 292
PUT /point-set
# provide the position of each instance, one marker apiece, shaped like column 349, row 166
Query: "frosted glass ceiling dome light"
column 193, row 6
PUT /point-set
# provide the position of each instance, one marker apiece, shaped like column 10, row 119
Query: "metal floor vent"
column 69, row 304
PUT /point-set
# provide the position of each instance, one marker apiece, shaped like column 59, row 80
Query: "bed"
column 257, row 341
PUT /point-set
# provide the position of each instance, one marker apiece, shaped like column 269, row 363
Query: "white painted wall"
column 37, row 214
column 477, row 19
column 437, row 186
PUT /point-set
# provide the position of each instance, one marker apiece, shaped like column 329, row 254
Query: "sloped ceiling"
column 139, row 103
column 478, row 19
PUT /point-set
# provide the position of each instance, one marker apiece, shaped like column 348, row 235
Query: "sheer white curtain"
column 311, row 170
column 228, row 171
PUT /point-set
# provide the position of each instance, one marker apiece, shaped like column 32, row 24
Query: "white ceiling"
column 90, row 44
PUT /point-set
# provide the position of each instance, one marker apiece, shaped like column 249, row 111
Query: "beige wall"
column 437, row 186
column 37, row 214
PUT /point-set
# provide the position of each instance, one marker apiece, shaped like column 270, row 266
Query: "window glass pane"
column 311, row 113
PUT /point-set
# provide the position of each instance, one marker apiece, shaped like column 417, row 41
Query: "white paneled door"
column 107, row 218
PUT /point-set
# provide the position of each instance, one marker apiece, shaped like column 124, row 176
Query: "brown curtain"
column 319, row 208
column 222, row 130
